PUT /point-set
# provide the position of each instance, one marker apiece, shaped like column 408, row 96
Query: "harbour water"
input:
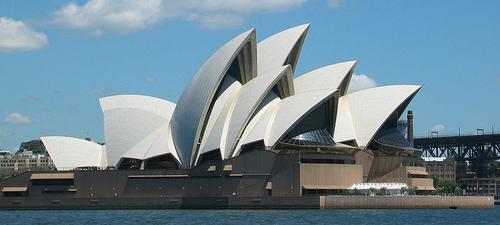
column 267, row 217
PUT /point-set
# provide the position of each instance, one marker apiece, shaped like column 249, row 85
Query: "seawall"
column 306, row 202
column 405, row 202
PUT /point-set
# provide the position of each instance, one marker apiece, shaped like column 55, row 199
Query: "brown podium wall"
column 330, row 176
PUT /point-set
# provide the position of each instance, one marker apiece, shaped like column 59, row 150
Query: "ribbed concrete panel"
column 369, row 109
column 281, row 49
column 163, row 138
column 194, row 106
column 292, row 110
column 104, row 157
column 214, row 139
column 249, row 98
column 336, row 76
column 280, row 117
column 260, row 123
column 68, row 153
column 158, row 142
column 153, row 105
column 222, row 102
column 344, row 130
column 136, row 126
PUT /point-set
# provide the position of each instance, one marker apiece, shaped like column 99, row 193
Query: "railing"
column 460, row 133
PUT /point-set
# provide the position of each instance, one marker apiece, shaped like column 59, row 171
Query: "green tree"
column 36, row 146
column 404, row 191
column 446, row 187
column 382, row 191
column 412, row 191
column 494, row 169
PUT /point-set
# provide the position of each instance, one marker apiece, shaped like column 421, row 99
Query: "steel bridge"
column 477, row 149
column 461, row 148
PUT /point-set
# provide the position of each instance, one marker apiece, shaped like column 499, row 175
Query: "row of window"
column 440, row 170
column 24, row 165
column 22, row 161
column 444, row 176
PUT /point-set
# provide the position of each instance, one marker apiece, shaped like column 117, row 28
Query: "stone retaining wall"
column 405, row 202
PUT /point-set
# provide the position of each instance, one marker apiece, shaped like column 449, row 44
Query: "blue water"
column 267, row 217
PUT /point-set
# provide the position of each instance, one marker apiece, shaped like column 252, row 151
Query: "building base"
column 305, row 202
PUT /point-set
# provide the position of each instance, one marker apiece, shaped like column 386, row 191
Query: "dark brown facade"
column 259, row 175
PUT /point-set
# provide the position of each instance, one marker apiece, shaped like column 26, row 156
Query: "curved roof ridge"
column 129, row 122
column 332, row 76
column 212, row 137
column 256, row 128
column 369, row 109
column 275, row 50
column 292, row 110
column 151, row 104
column 70, row 152
column 247, row 101
column 281, row 117
column 158, row 142
column 194, row 105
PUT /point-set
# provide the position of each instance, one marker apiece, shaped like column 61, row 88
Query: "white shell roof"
column 279, row 119
column 216, row 127
column 158, row 142
column 194, row 104
column 259, row 122
column 137, row 127
column 68, row 152
column 223, row 109
column 250, row 96
column 361, row 114
column 236, row 115
column 154, row 105
column 273, row 51
column 336, row 76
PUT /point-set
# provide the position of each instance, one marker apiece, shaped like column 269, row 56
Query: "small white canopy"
column 378, row 186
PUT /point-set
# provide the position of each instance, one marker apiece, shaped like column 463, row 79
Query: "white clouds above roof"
column 360, row 82
column 17, row 36
column 438, row 127
column 17, row 118
column 125, row 16
column 334, row 3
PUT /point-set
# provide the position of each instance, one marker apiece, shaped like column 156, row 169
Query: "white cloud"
column 334, row 3
column 17, row 36
column 17, row 118
column 216, row 21
column 3, row 133
column 360, row 82
column 438, row 128
column 98, row 91
column 149, row 79
column 125, row 16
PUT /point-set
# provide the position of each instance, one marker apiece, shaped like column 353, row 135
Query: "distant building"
column 11, row 164
column 481, row 186
column 441, row 168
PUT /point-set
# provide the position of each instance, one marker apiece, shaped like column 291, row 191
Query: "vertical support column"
column 410, row 127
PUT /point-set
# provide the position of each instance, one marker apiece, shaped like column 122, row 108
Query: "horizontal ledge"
column 159, row 176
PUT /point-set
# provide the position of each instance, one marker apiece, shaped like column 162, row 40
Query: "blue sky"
column 58, row 57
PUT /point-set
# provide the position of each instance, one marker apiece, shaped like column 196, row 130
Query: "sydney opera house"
column 245, row 126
